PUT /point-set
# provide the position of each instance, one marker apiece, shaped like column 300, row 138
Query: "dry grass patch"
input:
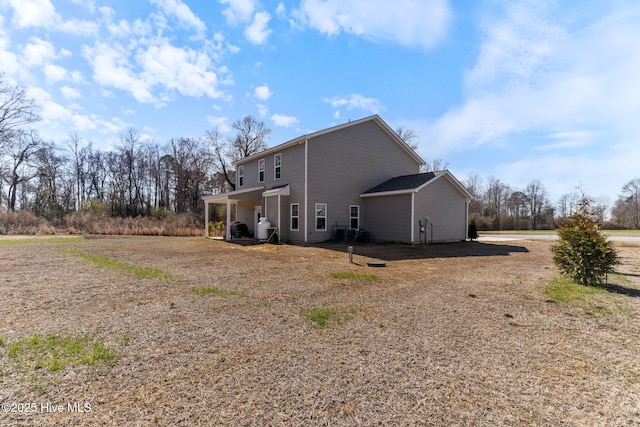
column 434, row 342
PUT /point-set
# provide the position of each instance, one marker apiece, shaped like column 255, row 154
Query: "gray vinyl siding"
column 388, row 218
column 345, row 163
column 446, row 207
column 292, row 173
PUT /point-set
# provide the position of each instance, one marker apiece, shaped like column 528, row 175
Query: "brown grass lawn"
column 226, row 334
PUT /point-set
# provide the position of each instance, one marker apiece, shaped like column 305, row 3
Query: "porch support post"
column 228, row 219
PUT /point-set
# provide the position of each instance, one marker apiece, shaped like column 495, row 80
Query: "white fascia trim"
column 282, row 191
column 390, row 193
column 222, row 197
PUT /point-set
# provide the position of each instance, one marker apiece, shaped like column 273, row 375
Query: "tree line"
column 498, row 206
column 140, row 177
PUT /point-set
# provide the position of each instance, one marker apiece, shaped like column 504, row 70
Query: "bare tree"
column 222, row 164
column 21, row 152
column 435, row 165
column 17, row 112
column 50, row 198
column 249, row 139
column 567, row 204
column 409, row 137
column 496, row 195
column 18, row 142
column 473, row 184
column 631, row 195
column 537, row 198
column 517, row 205
column 73, row 143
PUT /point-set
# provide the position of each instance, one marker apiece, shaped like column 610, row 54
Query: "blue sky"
column 517, row 90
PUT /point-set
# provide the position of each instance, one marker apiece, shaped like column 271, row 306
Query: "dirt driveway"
column 459, row 334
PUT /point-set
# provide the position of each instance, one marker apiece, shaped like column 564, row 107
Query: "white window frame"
column 277, row 166
column 319, row 208
column 357, row 217
column 261, row 170
column 240, row 176
column 296, row 217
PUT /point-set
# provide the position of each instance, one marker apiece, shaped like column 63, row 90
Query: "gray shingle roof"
column 405, row 182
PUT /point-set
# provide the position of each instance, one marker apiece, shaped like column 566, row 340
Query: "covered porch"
column 247, row 206
column 243, row 206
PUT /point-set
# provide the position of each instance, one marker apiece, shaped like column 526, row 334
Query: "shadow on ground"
column 618, row 289
column 399, row 251
column 403, row 251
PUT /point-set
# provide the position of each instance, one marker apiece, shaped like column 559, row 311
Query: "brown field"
column 460, row 334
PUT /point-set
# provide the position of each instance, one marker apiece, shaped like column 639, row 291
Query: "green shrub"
column 583, row 253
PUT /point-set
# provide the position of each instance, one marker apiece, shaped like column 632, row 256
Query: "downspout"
column 279, row 229
column 306, row 183
column 413, row 214
column 466, row 227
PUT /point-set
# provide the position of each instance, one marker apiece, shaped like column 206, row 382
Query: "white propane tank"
column 263, row 228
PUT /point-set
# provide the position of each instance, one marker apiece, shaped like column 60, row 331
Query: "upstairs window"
column 354, row 217
column 261, row 170
column 277, row 166
column 240, row 176
column 321, row 217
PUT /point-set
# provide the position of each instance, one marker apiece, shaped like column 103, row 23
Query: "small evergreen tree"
column 582, row 252
column 473, row 230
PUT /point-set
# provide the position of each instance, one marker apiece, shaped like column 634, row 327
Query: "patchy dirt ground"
column 460, row 334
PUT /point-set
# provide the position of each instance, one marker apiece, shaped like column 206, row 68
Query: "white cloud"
column 242, row 12
column 356, row 101
column 8, row 59
column 262, row 92
column 38, row 52
column 54, row 73
column 515, row 47
column 262, row 110
column 58, row 121
column 33, row 13
column 42, row 13
column 281, row 11
column 220, row 123
column 70, row 93
column 239, row 11
column 561, row 90
column 157, row 71
column 111, row 68
column 183, row 13
column 533, row 74
column 284, row 121
column 421, row 23
column 258, row 32
column 182, row 69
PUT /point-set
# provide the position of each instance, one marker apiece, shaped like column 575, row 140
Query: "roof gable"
column 400, row 183
column 414, row 183
column 301, row 139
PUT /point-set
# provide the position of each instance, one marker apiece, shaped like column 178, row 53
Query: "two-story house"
column 358, row 175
